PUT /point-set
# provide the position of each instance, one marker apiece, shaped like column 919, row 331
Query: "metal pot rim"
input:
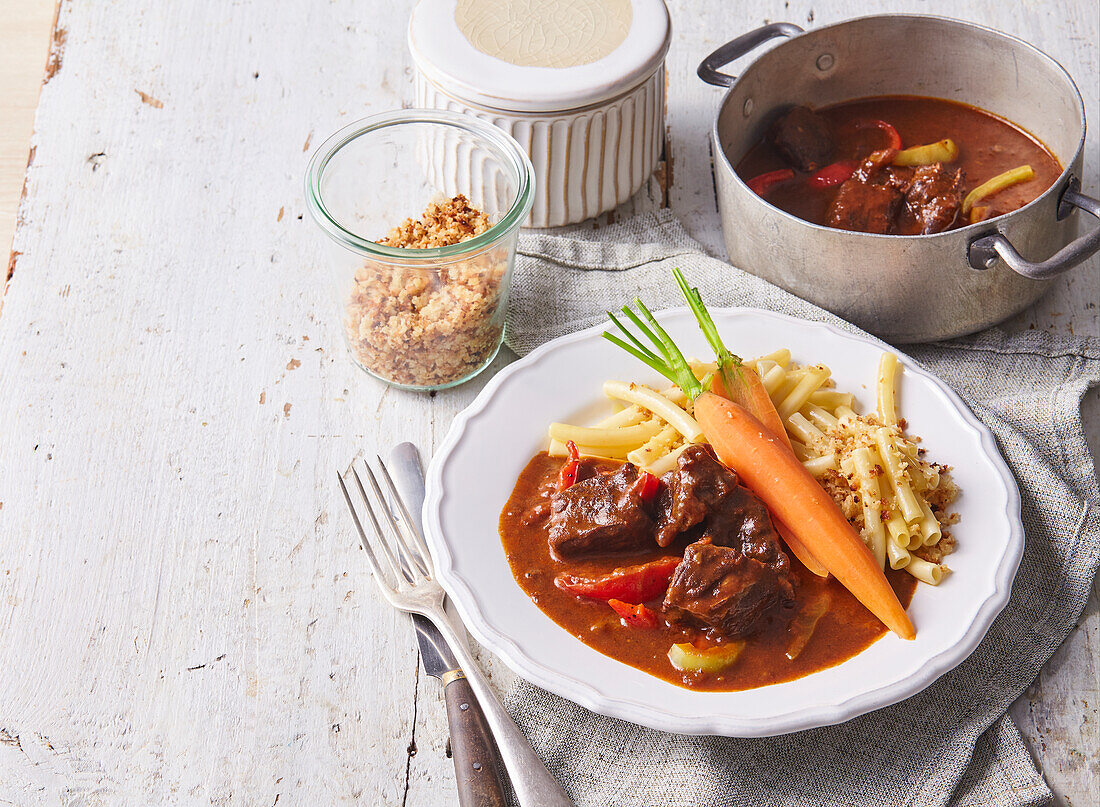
column 1056, row 187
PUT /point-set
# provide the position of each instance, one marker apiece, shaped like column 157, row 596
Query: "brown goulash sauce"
column 846, row 628
column 988, row 146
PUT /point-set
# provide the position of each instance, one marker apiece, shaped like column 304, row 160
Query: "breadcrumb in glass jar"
column 429, row 326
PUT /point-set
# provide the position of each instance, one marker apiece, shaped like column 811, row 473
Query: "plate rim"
column 650, row 715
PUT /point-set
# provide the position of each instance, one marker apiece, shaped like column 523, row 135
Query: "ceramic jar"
column 578, row 83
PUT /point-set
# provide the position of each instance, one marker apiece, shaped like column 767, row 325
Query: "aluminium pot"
column 900, row 287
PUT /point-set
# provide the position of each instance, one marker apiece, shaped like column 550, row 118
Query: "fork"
column 406, row 577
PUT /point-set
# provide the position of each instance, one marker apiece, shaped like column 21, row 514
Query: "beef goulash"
column 897, row 165
column 692, row 558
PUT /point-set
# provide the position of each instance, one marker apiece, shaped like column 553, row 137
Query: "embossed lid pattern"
column 538, row 55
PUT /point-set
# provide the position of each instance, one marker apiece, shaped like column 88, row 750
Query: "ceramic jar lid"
column 538, row 55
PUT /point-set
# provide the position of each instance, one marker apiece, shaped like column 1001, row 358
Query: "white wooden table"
column 184, row 616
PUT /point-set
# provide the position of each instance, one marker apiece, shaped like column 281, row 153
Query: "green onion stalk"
column 665, row 357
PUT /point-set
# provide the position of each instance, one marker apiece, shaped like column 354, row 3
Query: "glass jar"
column 420, row 318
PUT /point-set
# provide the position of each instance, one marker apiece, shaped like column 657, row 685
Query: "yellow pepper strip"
column 979, row 213
column 805, row 622
column 686, row 657
column 943, row 151
column 998, row 183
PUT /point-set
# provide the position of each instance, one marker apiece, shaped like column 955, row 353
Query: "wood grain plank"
column 24, row 42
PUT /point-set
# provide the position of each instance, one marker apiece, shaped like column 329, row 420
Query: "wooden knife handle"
column 476, row 766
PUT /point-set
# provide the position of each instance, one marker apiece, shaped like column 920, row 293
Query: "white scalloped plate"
column 489, row 443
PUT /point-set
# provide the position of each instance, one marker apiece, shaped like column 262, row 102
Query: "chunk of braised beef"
column 602, row 514
column 704, row 497
column 877, row 168
column 869, row 200
column 690, row 491
column 935, row 196
column 741, row 521
column 717, row 589
column 803, row 138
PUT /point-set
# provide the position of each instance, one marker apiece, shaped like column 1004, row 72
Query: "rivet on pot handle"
column 983, row 252
column 731, row 51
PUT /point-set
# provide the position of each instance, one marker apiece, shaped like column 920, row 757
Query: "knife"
column 477, row 769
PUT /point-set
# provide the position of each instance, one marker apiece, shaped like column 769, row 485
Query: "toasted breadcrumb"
column 429, row 325
column 443, row 224
column 938, row 489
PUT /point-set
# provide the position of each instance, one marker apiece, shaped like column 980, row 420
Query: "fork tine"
column 371, row 559
column 398, row 572
column 409, row 567
column 418, row 548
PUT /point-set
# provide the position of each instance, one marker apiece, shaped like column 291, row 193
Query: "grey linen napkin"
column 953, row 742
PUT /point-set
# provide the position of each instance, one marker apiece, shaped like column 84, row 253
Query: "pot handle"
column 731, row 51
column 984, row 251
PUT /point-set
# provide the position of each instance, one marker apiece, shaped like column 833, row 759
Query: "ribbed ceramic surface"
column 586, row 161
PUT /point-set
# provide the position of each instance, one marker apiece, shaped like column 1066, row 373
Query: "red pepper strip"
column 647, row 487
column 832, row 175
column 891, row 132
column 764, row 183
column 634, row 616
column 631, row 584
column 568, row 474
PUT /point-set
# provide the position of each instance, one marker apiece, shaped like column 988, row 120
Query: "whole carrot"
column 743, row 386
column 772, row 471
